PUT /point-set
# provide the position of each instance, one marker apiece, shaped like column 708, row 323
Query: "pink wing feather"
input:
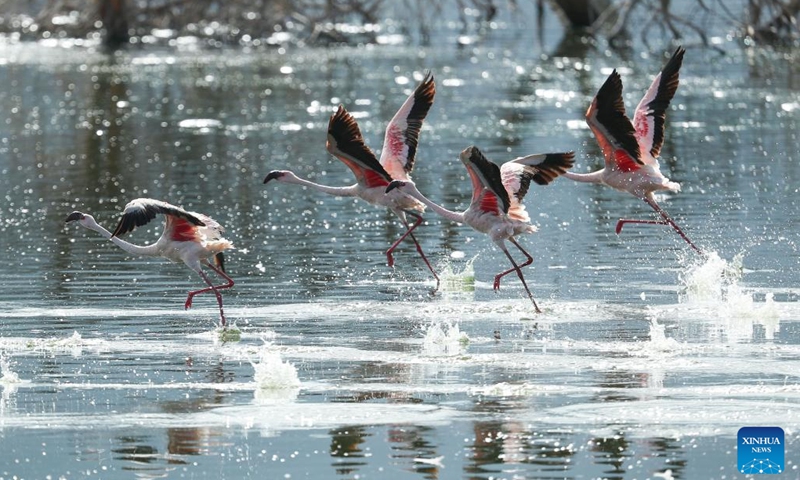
column 402, row 133
column 650, row 116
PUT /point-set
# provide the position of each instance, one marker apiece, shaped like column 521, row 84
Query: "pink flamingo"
column 372, row 175
column 496, row 208
column 188, row 237
column 631, row 149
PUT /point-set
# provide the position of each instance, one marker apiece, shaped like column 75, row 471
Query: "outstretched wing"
column 652, row 109
column 346, row 143
column 612, row 128
column 140, row 211
column 488, row 193
column 402, row 133
column 541, row 168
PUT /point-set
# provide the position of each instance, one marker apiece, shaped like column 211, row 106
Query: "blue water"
column 644, row 364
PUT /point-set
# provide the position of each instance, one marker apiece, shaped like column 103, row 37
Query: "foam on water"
column 9, row 377
column 289, row 416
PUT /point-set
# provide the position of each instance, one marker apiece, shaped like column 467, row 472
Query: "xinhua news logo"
column 760, row 450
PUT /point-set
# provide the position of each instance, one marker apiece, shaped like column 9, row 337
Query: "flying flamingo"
column 496, row 208
column 372, row 175
column 631, row 149
column 188, row 237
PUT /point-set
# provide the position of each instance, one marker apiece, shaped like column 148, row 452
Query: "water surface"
column 645, row 362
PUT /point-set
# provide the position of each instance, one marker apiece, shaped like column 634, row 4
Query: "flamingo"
column 188, row 237
column 346, row 143
column 631, row 149
column 496, row 208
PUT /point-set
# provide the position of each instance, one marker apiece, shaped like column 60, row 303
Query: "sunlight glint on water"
column 640, row 364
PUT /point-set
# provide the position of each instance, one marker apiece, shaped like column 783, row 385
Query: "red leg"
column 670, row 222
column 623, row 221
column 409, row 229
column 501, row 275
column 211, row 288
column 517, row 269
column 409, row 233
column 666, row 221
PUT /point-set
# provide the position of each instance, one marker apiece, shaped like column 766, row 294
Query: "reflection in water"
column 412, row 445
column 346, row 450
column 191, row 441
column 551, row 450
column 611, row 453
column 142, row 454
column 487, row 447
column 134, row 449
column 507, row 446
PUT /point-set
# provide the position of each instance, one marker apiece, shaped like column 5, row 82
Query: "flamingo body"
column 631, row 148
column 496, row 207
column 188, row 237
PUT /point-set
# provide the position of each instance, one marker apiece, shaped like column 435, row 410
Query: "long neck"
column 440, row 210
column 336, row 191
column 594, row 177
column 128, row 247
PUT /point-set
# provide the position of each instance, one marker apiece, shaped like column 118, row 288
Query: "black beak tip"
column 74, row 216
column 392, row 186
column 272, row 176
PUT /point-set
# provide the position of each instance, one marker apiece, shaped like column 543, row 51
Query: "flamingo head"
column 401, row 184
column 277, row 175
column 82, row 218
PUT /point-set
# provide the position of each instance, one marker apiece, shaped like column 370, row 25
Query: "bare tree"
column 319, row 21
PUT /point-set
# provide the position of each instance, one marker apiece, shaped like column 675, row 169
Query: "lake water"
column 645, row 363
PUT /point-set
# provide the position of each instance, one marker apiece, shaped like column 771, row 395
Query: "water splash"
column 73, row 344
column 658, row 337
column 9, row 378
column 713, row 279
column 10, row 382
column 715, row 283
column 457, row 282
column 228, row 334
column 276, row 381
column 444, row 339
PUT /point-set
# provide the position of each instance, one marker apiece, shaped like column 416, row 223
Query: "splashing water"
column 272, row 373
column 444, row 339
column 453, row 281
column 658, row 337
column 715, row 279
column 715, row 282
column 8, row 377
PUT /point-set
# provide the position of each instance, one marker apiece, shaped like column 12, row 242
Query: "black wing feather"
column 423, row 100
column 141, row 211
column 553, row 165
column 666, row 90
column 491, row 173
column 345, row 136
column 611, row 114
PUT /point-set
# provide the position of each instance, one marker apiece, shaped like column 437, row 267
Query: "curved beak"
column 393, row 185
column 75, row 216
column 273, row 175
